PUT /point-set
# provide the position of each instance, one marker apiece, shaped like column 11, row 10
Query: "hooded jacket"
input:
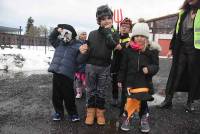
column 132, row 63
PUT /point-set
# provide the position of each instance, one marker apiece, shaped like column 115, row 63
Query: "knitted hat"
column 141, row 29
column 70, row 28
column 102, row 11
column 127, row 21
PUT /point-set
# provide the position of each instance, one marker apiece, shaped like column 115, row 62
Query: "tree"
column 43, row 30
column 29, row 25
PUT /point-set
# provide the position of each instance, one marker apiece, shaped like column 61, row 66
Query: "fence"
column 6, row 40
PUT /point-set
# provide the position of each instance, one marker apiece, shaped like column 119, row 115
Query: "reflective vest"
column 124, row 40
column 196, row 28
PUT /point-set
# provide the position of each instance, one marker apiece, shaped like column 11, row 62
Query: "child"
column 80, row 74
column 63, row 67
column 125, row 29
column 140, row 62
column 101, row 42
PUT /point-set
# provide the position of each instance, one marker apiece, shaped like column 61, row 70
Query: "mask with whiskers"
column 66, row 35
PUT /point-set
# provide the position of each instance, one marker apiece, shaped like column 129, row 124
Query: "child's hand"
column 119, row 84
column 127, row 44
column 109, row 25
column 118, row 47
column 169, row 54
column 145, row 70
column 83, row 48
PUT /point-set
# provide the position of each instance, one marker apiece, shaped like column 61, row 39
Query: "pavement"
column 26, row 108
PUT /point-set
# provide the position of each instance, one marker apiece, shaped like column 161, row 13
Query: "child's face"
column 125, row 28
column 141, row 40
column 106, row 21
column 83, row 36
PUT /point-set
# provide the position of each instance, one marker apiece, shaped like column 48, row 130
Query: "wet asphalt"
column 26, row 108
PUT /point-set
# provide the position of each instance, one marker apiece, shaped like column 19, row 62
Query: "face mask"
column 136, row 46
column 66, row 35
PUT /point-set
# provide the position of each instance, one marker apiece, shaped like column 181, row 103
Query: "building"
column 9, row 36
column 162, row 29
column 9, row 30
column 12, row 36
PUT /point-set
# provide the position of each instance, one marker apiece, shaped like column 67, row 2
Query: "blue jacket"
column 66, row 56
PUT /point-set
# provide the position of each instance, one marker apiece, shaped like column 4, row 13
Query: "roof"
column 163, row 17
column 8, row 29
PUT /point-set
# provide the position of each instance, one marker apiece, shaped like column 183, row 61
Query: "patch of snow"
column 26, row 59
column 157, row 100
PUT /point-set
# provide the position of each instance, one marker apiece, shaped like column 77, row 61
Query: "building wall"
column 164, row 41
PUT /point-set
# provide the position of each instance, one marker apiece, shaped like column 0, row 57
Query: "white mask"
column 66, row 35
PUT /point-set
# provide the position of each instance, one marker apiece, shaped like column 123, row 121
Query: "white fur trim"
column 154, row 46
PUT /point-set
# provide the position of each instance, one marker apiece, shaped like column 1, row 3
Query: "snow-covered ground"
column 26, row 59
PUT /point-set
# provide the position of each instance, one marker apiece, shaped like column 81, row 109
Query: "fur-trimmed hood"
column 154, row 46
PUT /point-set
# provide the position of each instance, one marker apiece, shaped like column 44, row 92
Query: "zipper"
column 138, row 61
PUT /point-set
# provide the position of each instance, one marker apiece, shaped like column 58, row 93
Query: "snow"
column 31, row 58
column 157, row 100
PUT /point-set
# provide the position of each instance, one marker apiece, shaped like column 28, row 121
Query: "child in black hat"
column 100, row 44
column 63, row 67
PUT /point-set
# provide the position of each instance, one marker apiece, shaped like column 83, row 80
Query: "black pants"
column 123, row 99
column 187, row 64
column 63, row 91
column 144, row 109
column 115, row 91
column 97, row 82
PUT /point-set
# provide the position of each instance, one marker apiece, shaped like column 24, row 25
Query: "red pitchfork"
column 118, row 17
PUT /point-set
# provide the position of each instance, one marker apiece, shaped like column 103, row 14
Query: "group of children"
column 134, row 62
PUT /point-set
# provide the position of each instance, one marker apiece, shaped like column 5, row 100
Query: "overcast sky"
column 79, row 13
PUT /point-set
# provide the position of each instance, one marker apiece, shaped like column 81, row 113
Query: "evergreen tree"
column 29, row 26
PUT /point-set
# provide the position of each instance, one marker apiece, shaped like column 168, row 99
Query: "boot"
column 167, row 103
column 189, row 107
column 90, row 116
column 100, row 116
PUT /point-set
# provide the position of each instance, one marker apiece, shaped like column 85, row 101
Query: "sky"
column 79, row 13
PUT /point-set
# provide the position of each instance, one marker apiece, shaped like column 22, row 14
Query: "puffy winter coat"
column 132, row 63
column 66, row 56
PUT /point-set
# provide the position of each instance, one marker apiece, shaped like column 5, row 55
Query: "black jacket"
column 117, row 54
column 101, row 42
column 133, row 62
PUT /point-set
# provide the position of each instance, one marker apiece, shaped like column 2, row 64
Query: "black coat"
column 132, row 64
column 101, row 42
column 117, row 56
column 175, row 46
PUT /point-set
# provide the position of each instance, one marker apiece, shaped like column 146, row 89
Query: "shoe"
column 56, row 117
column 189, row 107
column 74, row 118
column 91, row 112
column 125, row 125
column 78, row 95
column 100, row 116
column 144, row 123
column 166, row 104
